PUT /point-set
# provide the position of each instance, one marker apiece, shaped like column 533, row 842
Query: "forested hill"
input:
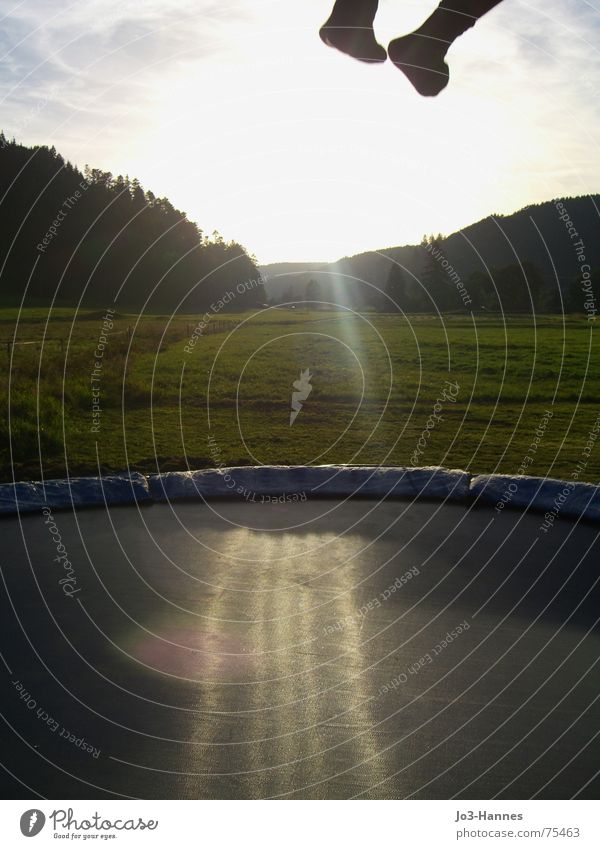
column 547, row 239
column 90, row 236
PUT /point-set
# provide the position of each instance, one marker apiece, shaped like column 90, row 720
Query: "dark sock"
column 421, row 54
column 421, row 60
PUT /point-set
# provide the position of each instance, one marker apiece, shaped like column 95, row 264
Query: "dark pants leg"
column 454, row 17
column 358, row 11
column 450, row 19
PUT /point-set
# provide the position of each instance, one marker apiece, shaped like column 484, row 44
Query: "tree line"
column 515, row 288
column 90, row 238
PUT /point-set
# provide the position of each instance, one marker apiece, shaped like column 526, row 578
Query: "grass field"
column 376, row 380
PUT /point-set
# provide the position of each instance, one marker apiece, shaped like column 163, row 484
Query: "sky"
column 239, row 114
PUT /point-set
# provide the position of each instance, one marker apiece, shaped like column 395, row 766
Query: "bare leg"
column 350, row 29
column 421, row 54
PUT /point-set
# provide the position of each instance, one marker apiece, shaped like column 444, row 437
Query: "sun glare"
column 302, row 154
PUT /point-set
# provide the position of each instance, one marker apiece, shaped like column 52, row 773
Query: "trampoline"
column 305, row 633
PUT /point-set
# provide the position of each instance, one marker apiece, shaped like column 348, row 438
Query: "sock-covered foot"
column 421, row 60
column 355, row 40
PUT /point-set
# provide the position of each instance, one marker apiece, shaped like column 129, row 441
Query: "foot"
column 421, row 60
column 356, row 41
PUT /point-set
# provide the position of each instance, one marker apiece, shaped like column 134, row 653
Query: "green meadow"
column 465, row 392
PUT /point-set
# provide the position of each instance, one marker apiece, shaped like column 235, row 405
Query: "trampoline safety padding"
column 569, row 498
